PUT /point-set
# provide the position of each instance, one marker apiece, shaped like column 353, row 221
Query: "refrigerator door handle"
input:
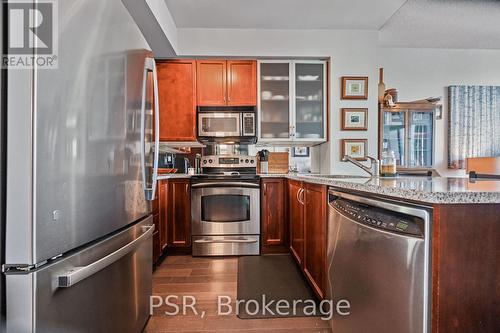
column 78, row 274
column 150, row 66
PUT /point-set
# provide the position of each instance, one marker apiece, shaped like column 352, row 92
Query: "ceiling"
column 283, row 14
column 459, row 24
column 467, row 24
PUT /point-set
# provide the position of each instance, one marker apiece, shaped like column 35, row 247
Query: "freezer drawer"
column 110, row 294
column 233, row 245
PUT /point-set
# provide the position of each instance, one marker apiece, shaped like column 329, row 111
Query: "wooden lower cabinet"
column 465, row 268
column 163, row 212
column 296, row 220
column 307, row 212
column 315, row 219
column 172, row 217
column 273, row 215
column 179, row 206
column 156, row 239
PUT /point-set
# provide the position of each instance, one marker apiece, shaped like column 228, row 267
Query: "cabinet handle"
column 302, row 196
column 299, row 193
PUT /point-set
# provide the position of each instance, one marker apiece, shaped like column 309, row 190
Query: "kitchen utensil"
column 278, row 163
column 263, row 159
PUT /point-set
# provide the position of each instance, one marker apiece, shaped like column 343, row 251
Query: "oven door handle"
column 211, row 241
column 225, row 184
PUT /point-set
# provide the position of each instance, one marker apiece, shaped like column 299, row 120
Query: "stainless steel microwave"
column 236, row 125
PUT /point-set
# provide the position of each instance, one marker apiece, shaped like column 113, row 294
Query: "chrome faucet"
column 374, row 168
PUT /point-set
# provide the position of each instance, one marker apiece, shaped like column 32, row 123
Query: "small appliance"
column 264, row 161
column 181, row 164
column 232, row 125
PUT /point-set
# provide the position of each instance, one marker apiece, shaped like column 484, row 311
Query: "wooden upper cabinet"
column 315, row 219
column 179, row 213
column 273, row 213
column 177, row 98
column 226, row 82
column 296, row 218
column 211, row 82
column 241, row 82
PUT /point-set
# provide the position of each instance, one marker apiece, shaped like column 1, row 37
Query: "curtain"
column 474, row 123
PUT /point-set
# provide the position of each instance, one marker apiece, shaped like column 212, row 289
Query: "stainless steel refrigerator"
column 82, row 154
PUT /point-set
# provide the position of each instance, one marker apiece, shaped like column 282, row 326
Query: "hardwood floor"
column 206, row 279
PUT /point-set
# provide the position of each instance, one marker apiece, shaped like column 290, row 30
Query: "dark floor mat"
column 276, row 277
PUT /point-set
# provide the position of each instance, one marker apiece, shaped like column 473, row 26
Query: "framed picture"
column 354, row 87
column 355, row 148
column 300, row 151
column 354, row 119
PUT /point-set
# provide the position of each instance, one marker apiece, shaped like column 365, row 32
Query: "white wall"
column 416, row 73
column 352, row 53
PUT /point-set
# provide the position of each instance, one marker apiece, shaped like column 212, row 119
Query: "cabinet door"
column 273, row 214
column 156, row 239
column 296, row 218
column 394, row 135
column 180, row 213
column 177, row 98
column 310, row 101
column 315, row 236
column 241, row 82
column 211, row 82
column 274, row 101
column 420, row 139
column 163, row 212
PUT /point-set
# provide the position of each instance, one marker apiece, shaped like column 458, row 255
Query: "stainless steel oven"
column 225, row 208
column 222, row 124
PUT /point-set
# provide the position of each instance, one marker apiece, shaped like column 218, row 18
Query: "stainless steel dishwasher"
column 379, row 261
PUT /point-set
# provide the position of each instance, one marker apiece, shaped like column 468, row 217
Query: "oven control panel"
column 228, row 161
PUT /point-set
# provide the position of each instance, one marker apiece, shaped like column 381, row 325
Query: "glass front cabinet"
column 292, row 102
column 409, row 132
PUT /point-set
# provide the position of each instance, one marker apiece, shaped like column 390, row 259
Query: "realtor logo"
column 31, row 34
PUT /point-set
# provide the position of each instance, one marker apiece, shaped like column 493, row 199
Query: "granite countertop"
column 436, row 190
